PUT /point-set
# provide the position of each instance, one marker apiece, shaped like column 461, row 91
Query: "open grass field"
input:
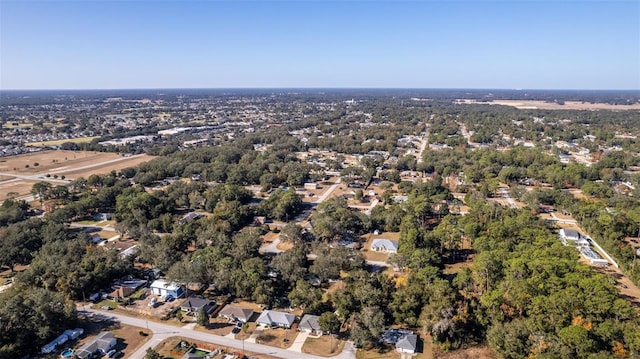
column 60, row 142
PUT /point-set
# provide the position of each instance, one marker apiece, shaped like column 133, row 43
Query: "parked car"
column 112, row 353
column 235, row 330
column 106, row 307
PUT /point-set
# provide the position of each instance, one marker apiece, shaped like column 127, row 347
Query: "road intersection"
column 162, row 331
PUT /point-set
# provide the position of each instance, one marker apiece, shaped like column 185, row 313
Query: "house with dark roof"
column 101, row 345
column 193, row 304
column 273, row 318
column 407, row 344
column 569, row 236
column 236, row 313
column 309, row 323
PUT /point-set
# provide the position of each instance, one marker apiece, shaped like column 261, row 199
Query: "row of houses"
column 69, row 334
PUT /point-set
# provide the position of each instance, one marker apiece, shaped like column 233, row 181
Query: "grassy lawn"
column 107, row 302
column 138, row 294
column 59, row 142
column 323, row 346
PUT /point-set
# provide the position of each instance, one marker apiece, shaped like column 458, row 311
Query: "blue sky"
column 389, row 44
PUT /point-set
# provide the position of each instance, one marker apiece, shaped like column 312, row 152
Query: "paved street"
column 164, row 331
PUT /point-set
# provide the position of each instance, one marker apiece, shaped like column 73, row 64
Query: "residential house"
column 310, row 186
column 384, row 245
column 276, row 319
column 236, row 313
column 162, row 288
column 193, row 304
column 569, row 236
column 126, row 286
column 407, row 344
column 189, row 217
column 101, row 345
column 57, row 342
column 309, row 323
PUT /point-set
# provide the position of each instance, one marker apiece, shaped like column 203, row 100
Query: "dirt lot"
column 277, row 337
column 568, row 105
column 71, row 164
column 129, row 339
column 22, row 187
column 166, row 349
column 323, row 346
column 52, row 160
column 116, row 166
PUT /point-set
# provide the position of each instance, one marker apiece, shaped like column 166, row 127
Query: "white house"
column 276, row 319
column 569, row 236
column 162, row 288
column 310, row 186
column 384, row 245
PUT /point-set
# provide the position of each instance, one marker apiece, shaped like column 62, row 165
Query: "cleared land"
column 52, row 160
column 107, row 167
column 71, row 164
column 9, row 189
column 542, row 105
column 60, row 142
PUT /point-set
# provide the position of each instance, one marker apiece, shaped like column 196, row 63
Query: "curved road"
column 163, row 331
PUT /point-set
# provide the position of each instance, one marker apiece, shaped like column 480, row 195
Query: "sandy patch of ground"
column 106, row 168
column 323, row 346
column 22, row 188
column 543, row 105
column 131, row 339
column 52, row 160
column 60, row 142
column 277, row 337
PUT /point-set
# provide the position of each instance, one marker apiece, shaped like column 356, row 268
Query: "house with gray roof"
column 274, row 318
column 384, row 245
column 193, row 304
column 309, row 323
column 101, row 345
column 407, row 344
column 236, row 313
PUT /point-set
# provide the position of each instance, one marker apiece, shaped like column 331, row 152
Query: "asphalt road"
column 164, row 331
